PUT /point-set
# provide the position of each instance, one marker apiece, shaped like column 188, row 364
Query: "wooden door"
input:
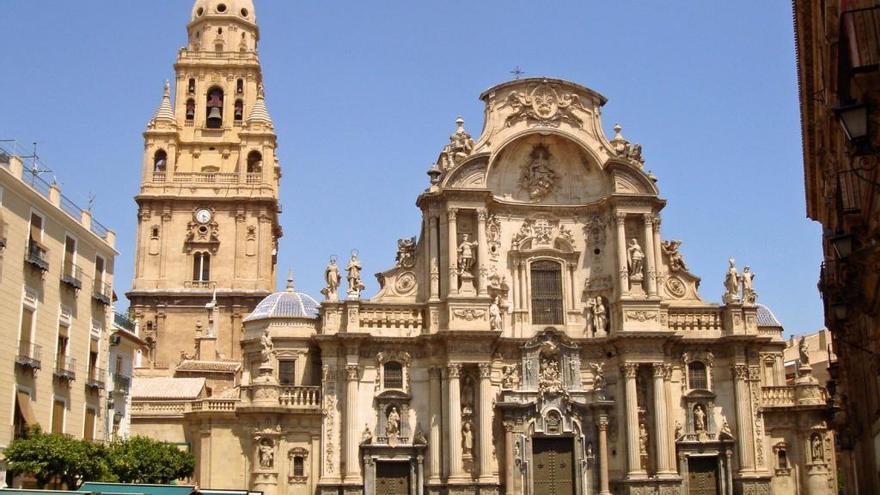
column 392, row 478
column 553, row 466
column 703, row 475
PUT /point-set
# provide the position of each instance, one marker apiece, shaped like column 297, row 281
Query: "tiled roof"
column 287, row 304
column 766, row 318
column 166, row 388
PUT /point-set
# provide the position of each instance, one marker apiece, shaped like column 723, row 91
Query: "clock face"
column 203, row 215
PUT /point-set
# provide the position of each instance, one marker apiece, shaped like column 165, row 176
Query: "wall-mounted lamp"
column 854, row 120
column 842, row 244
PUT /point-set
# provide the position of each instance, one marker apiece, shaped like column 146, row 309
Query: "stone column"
column 630, row 370
column 435, row 420
column 485, row 423
column 650, row 260
column 482, row 252
column 658, row 250
column 352, row 466
column 602, row 424
column 743, row 419
column 452, row 229
column 508, row 458
column 456, row 467
column 433, row 262
column 622, row 266
column 661, row 427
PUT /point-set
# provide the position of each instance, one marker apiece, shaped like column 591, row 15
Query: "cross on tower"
column 517, row 72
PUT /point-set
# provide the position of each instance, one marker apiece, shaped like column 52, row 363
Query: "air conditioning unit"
column 115, row 339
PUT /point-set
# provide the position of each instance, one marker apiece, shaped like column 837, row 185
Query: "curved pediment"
column 630, row 180
column 470, row 174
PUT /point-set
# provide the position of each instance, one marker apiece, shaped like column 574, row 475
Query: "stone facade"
column 537, row 336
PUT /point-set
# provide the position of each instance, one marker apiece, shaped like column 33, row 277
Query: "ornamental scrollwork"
column 544, row 105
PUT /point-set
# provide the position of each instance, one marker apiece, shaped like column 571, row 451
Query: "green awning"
column 132, row 489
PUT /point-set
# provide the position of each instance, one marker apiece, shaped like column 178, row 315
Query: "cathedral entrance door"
column 703, row 475
column 392, row 478
column 553, row 466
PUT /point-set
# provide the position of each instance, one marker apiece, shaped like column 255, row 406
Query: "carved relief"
column 510, row 377
column 251, row 241
column 544, row 105
column 493, row 236
column 460, row 147
column 675, row 287
column 405, row 283
column 406, row 252
column 640, row 316
column 542, row 230
column 469, row 314
column 537, row 176
column 674, row 257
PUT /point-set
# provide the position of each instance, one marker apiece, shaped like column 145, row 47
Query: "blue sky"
column 364, row 95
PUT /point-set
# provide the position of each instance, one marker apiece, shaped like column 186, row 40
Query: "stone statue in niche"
column 537, row 177
column 635, row 258
column 816, row 449
column 748, row 290
column 495, row 320
column 599, row 382
column 266, row 452
column 803, row 352
column 676, row 260
column 466, row 256
column 643, row 439
column 725, row 427
column 528, row 370
column 355, row 283
column 597, row 317
column 419, row 437
column 367, row 435
column 392, row 423
column 678, row 429
column 550, row 380
column 406, row 252
column 731, row 283
column 510, row 377
column 267, row 349
column 460, row 147
column 699, row 418
column 332, row 278
column 574, row 368
column 467, row 437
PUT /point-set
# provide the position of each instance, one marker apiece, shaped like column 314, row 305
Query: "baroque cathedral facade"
column 538, row 336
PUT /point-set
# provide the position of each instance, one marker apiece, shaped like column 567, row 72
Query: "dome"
column 285, row 304
column 766, row 318
column 243, row 9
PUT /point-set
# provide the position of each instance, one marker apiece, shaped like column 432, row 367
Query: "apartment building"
column 126, row 348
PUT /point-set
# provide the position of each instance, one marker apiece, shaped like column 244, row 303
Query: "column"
column 743, row 419
column 456, row 467
column 658, row 251
column 602, row 424
column 434, row 439
column 632, row 422
column 433, row 263
column 650, row 260
column 352, row 466
column 452, row 229
column 485, row 423
column 622, row 265
column 661, row 427
column 482, row 252
column 508, row 458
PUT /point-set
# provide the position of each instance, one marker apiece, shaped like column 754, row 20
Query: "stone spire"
column 165, row 113
column 259, row 114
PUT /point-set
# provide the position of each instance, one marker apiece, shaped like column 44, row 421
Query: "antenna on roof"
column 517, row 72
column 36, row 167
column 92, row 198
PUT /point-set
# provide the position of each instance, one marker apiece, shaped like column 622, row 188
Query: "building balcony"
column 209, row 178
column 28, row 355
column 96, row 379
column 71, row 276
column 103, row 293
column 300, row 397
column 121, row 383
column 860, row 40
column 199, row 284
column 65, row 368
column 37, row 256
column 124, row 322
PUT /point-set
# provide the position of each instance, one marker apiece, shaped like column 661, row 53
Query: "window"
column 191, row 87
column 298, row 465
column 393, row 375
column 160, row 160
column 190, row 110
column 70, row 258
column 35, row 238
column 239, row 85
column 697, row 376
column 781, row 459
column 58, row 416
column 215, row 108
column 202, row 267
column 89, row 427
column 25, row 348
column 99, row 278
column 61, row 349
column 546, row 293
column 94, row 373
column 254, row 162
column 286, row 372
column 239, row 110
column 118, row 366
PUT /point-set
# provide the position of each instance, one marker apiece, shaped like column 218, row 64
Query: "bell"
column 215, row 115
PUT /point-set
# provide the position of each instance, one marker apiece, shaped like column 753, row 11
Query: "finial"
column 617, row 129
column 459, row 123
column 261, row 92
column 289, row 280
column 167, row 88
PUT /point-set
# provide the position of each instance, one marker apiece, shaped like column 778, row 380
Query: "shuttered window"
column 393, row 375
column 58, row 416
column 697, row 376
column 546, row 293
column 89, row 430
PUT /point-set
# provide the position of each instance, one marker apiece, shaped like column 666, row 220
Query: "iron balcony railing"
column 28, row 355
column 124, row 322
column 36, row 256
column 97, row 378
column 103, row 293
column 121, row 382
column 65, row 368
column 72, row 276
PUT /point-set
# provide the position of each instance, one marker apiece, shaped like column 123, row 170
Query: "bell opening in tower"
column 215, row 109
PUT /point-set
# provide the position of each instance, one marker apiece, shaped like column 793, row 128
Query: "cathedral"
column 538, row 336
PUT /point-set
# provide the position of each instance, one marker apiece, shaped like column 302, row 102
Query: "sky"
column 364, row 94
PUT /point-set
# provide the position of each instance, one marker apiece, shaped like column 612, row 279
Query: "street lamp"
column 842, row 244
column 854, row 120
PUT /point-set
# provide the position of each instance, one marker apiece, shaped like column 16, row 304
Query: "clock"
column 203, row 215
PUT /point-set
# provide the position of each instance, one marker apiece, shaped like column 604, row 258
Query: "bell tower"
column 208, row 203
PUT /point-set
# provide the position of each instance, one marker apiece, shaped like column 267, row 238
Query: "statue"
column 676, row 260
column 332, row 278
column 598, row 376
column 678, row 429
column 465, row 254
column 590, row 450
column 467, row 437
column 725, row 427
column 699, row 418
column 267, row 350
column 817, row 451
column 536, row 177
column 731, row 283
column 591, row 316
column 406, row 252
column 600, row 317
column 419, row 438
column 643, row 439
column 267, row 454
column 510, row 377
column 748, row 292
column 804, row 352
column 460, row 146
column 495, row 320
column 392, row 423
column 367, row 435
column 635, row 258
column 549, row 381
column 355, row 284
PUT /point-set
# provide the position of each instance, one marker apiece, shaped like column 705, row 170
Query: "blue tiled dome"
column 286, row 304
column 766, row 318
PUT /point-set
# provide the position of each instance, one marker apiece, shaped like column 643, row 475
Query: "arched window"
column 190, row 110
column 160, row 161
column 239, row 110
column 239, row 85
column 215, row 108
column 254, row 162
column 697, row 376
column 781, row 459
column 392, row 375
column 202, row 267
column 191, row 87
column 546, row 293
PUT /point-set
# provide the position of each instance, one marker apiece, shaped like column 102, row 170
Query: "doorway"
column 392, row 478
column 553, row 466
column 703, row 475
